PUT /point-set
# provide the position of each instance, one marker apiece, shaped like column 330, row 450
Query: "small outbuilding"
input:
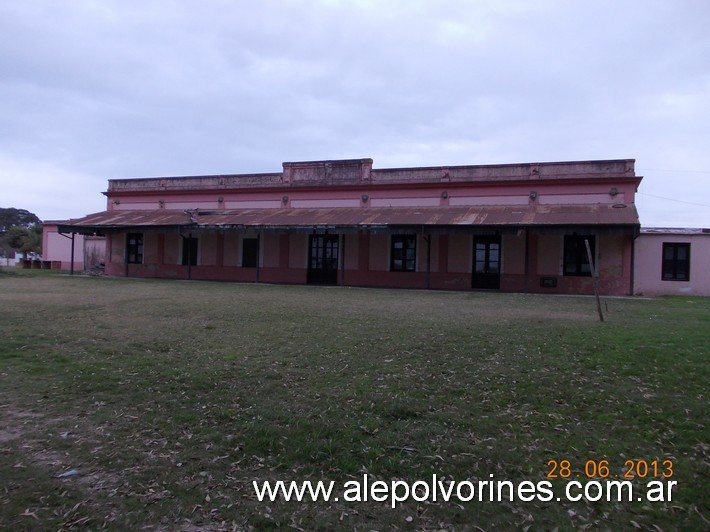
column 672, row 262
column 72, row 251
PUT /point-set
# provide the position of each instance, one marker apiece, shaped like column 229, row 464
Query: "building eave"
column 454, row 218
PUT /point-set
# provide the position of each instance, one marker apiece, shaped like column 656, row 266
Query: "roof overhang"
column 599, row 217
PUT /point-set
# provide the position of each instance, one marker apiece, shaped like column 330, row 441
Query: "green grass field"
column 170, row 397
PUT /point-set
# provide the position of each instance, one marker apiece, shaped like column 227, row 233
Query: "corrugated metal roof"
column 356, row 217
column 130, row 218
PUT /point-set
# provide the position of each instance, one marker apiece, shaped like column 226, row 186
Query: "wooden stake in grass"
column 595, row 279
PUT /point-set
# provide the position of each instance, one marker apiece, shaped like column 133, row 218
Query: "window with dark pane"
column 676, row 261
column 403, row 256
column 576, row 261
column 189, row 251
column 331, row 253
column 250, row 252
column 134, row 248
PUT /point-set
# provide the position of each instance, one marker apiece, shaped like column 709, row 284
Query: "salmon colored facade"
column 521, row 227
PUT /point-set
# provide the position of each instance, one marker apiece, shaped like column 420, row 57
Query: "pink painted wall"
column 460, row 253
column 549, row 255
column 57, row 248
column 151, row 252
column 352, row 251
column 610, row 256
column 648, row 265
column 381, row 196
column 270, row 256
column 207, row 243
column 513, row 254
column 379, row 252
column 434, row 262
column 173, row 249
column 298, row 251
column 232, row 249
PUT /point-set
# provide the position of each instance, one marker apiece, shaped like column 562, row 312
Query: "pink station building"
column 517, row 227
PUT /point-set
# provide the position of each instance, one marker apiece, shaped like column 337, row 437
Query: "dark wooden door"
column 486, row 262
column 323, row 259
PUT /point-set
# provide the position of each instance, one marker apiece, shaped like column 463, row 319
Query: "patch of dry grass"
column 169, row 398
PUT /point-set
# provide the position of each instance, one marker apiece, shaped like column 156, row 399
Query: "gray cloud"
column 98, row 89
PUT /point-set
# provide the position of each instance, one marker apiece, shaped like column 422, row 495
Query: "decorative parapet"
column 360, row 171
column 189, row 183
column 348, row 170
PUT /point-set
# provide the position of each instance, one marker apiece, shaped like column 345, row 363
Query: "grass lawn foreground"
column 162, row 401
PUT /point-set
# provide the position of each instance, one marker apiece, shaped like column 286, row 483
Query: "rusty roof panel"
column 356, row 217
column 131, row 218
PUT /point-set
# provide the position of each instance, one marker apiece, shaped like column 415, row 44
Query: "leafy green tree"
column 12, row 217
column 20, row 230
column 25, row 239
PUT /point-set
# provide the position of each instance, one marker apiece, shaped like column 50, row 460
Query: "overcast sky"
column 92, row 90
